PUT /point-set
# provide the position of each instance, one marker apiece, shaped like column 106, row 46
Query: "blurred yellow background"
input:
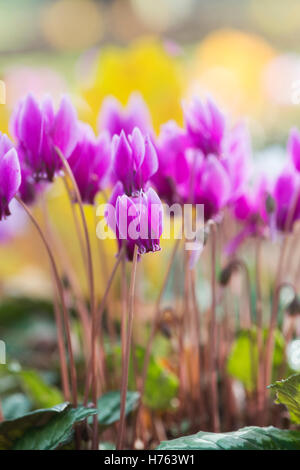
column 244, row 53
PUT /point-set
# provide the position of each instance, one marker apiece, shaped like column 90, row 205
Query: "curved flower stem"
column 127, row 351
column 76, row 222
column 213, row 336
column 61, row 297
column 90, row 276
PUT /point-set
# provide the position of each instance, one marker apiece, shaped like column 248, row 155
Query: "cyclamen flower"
column 114, row 119
column 208, row 184
column 10, row 174
column 173, row 171
column 38, row 129
column 250, row 209
column 236, row 158
column 134, row 160
column 286, row 195
column 90, row 161
column 219, row 158
column 29, row 188
column 136, row 220
column 205, row 125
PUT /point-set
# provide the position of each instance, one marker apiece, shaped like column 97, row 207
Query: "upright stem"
column 91, row 280
column 58, row 321
column 125, row 370
column 213, row 334
column 61, row 297
column 259, row 326
column 274, row 314
column 61, row 351
column 156, row 318
column 124, row 307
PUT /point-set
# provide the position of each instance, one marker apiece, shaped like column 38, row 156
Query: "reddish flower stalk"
column 61, row 297
column 124, row 386
column 259, row 326
column 213, row 336
column 61, row 350
column 68, row 170
column 155, row 321
column 101, row 309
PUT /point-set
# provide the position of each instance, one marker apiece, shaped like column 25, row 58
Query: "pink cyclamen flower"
column 173, row 171
column 10, row 174
column 38, row 129
column 136, row 220
column 90, row 161
column 251, row 211
column 286, row 194
column 236, row 157
column 208, row 184
column 114, row 118
column 134, row 160
column 205, row 125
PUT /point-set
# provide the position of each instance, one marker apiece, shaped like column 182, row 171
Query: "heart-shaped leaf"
column 250, row 438
column 45, row 429
column 288, row 393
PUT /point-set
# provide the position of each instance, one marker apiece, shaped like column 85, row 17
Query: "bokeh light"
column 72, row 24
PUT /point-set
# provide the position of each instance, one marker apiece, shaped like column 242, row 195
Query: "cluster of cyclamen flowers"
column 205, row 162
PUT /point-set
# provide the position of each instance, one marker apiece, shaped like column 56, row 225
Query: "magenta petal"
column 294, row 147
column 102, row 160
column 217, row 121
column 10, row 175
column 5, row 144
column 137, row 114
column 31, row 126
column 110, row 212
column 155, row 213
column 126, row 212
column 215, row 182
column 138, row 147
column 243, row 207
column 122, row 160
column 150, row 163
column 110, row 116
column 65, row 128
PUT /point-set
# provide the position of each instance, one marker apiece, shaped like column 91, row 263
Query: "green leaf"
column 250, row 438
column 109, row 406
column 107, row 446
column 161, row 383
column 45, row 429
column 44, row 395
column 15, row 405
column 243, row 359
column 288, row 393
